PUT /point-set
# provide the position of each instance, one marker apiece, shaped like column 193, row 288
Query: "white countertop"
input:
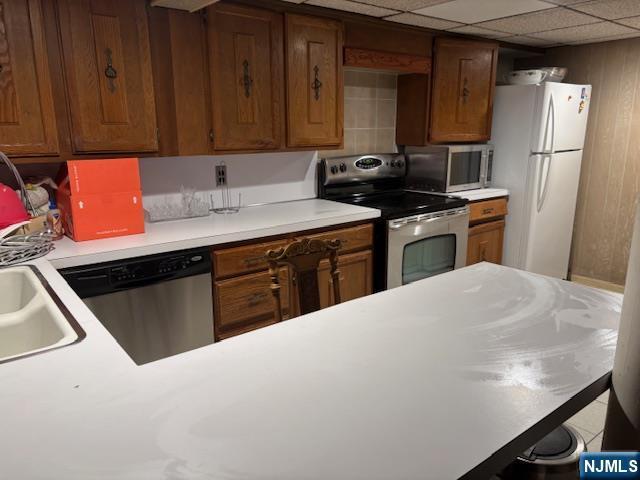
column 419, row 382
column 482, row 194
column 249, row 223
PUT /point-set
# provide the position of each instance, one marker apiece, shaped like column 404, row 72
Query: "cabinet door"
column 314, row 81
column 27, row 118
column 245, row 303
column 181, row 81
column 356, row 277
column 107, row 63
column 246, row 65
column 485, row 243
column 463, row 86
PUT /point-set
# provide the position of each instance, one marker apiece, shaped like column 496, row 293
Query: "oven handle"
column 459, row 213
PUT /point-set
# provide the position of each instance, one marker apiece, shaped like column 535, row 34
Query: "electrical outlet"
column 221, row 175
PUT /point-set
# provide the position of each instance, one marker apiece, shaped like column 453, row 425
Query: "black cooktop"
column 403, row 203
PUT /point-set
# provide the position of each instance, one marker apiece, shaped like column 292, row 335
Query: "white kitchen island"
column 445, row 378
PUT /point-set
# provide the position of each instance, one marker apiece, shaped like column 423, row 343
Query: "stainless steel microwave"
column 449, row 168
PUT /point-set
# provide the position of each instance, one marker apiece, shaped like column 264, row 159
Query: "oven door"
column 425, row 245
column 467, row 167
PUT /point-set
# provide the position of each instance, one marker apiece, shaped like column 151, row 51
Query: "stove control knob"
column 343, row 167
column 400, row 164
column 334, row 169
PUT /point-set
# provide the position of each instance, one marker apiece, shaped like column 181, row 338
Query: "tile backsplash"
column 369, row 113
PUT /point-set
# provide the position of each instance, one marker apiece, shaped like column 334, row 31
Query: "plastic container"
column 54, row 221
column 555, row 74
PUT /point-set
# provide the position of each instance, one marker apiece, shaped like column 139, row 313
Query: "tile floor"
column 590, row 422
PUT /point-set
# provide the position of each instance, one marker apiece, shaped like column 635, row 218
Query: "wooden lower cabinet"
column 245, row 303
column 241, row 290
column 485, row 242
column 356, row 277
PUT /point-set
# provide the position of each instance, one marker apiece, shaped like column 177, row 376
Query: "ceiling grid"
column 539, row 23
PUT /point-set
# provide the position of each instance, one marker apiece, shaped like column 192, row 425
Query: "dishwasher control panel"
column 138, row 272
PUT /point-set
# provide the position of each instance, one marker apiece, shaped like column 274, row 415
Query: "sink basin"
column 32, row 318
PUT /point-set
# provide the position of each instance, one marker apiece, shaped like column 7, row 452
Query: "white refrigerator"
column 538, row 132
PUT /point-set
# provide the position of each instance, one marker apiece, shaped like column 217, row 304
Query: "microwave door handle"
column 483, row 168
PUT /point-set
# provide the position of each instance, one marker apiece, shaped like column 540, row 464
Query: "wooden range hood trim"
column 376, row 59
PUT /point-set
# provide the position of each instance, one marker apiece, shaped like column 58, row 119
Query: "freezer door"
column 561, row 117
column 552, row 206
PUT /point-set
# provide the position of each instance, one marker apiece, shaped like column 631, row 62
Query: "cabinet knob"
column 316, row 84
column 465, row 90
column 246, row 81
column 110, row 72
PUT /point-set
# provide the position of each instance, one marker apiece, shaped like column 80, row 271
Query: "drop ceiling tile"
column 526, row 40
column 355, row 7
column 630, row 22
column 607, row 39
column 469, row 11
column 539, row 21
column 479, row 31
column 403, row 5
column 610, row 9
column 422, row 21
column 584, row 32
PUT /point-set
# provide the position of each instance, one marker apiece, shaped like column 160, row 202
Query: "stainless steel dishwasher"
column 154, row 306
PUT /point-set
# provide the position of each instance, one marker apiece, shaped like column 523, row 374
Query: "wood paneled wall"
column 610, row 176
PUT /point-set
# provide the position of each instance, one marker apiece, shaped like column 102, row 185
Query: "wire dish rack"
column 21, row 248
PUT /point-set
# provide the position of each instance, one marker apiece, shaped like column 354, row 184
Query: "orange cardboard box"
column 100, row 198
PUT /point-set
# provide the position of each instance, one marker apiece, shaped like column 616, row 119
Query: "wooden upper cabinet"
column 464, row 80
column 107, row 65
column 314, row 81
column 27, row 118
column 181, row 81
column 246, row 65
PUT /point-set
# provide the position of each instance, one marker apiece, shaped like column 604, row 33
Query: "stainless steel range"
column 419, row 234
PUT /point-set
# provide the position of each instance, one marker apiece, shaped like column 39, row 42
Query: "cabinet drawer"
column 244, row 259
column 353, row 238
column 488, row 209
column 246, row 303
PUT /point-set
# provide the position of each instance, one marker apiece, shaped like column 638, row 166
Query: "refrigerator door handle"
column 550, row 135
column 553, row 124
column 543, row 180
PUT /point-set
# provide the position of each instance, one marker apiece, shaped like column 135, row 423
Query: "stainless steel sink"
column 32, row 317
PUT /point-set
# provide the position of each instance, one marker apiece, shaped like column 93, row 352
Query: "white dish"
column 527, row 77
